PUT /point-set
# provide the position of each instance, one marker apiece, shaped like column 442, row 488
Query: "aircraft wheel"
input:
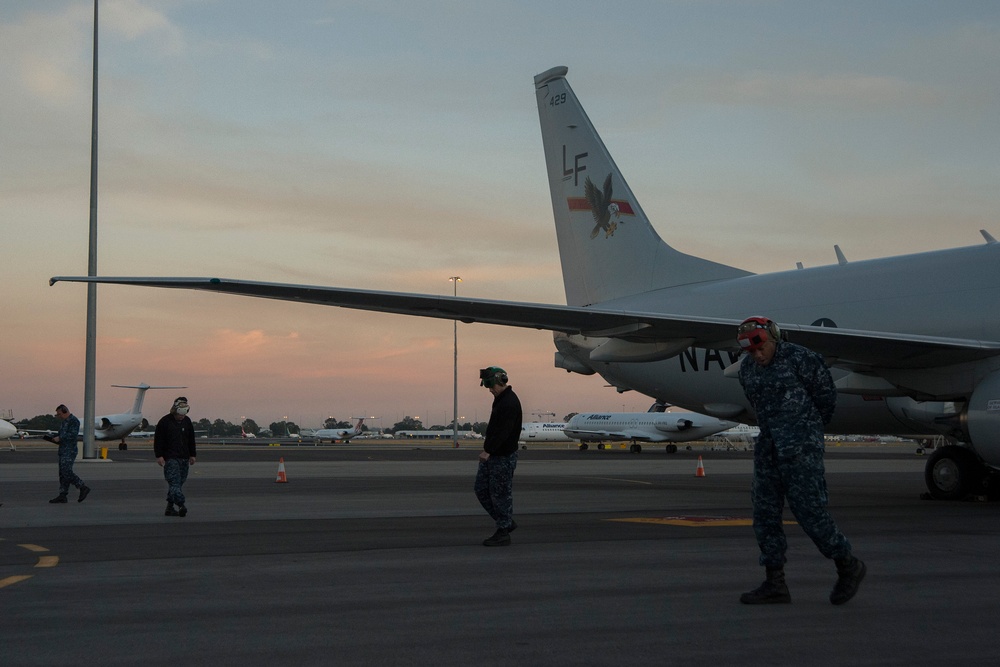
column 122, row 446
column 583, row 446
column 635, row 449
column 671, row 448
column 600, row 445
column 952, row 473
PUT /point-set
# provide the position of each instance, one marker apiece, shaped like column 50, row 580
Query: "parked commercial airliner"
column 912, row 340
column 543, row 432
column 655, row 425
column 341, row 434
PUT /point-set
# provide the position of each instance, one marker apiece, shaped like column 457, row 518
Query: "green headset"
column 494, row 375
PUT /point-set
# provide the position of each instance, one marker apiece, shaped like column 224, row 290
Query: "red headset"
column 753, row 332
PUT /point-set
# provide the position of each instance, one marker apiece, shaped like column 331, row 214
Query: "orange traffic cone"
column 700, row 472
column 281, row 471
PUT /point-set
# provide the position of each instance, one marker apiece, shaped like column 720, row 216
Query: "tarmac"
column 371, row 554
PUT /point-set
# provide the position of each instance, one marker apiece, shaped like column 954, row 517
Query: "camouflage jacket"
column 69, row 431
column 793, row 396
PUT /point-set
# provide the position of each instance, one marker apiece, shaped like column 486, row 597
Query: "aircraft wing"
column 842, row 347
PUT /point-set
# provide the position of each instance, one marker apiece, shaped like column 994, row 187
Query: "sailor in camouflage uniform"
column 495, row 479
column 793, row 395
column 69, row 431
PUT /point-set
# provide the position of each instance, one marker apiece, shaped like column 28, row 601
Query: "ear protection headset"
column 494, row 375
column 753, row 332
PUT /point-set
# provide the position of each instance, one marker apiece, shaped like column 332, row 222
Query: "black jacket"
column 504, row 428
column 174, row 439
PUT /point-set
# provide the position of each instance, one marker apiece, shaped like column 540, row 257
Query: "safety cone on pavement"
column 700, row 472
column 281, row 471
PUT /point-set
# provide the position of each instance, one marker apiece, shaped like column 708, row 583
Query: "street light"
column 454, row 425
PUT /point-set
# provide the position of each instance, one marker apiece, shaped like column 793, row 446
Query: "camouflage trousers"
column 67, row 457
column 802, row 482
column 495, row 488
column 175, row 471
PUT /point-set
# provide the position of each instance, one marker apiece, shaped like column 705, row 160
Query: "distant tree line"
column 220, row 428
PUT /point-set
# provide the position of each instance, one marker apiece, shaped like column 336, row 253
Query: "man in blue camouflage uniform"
column 69, row 431
column 793, row 395
column 174, row 449
column 495, row 478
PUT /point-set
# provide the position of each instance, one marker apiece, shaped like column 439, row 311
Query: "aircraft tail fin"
column 607, row 246
column 140, row 394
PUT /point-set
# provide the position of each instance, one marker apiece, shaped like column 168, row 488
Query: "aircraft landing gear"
column 953, row 472
column 583, row 446
column 122, row 445
column 671, row 448
column 635, row 448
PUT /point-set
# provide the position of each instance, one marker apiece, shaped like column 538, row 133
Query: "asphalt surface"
column 372, row 555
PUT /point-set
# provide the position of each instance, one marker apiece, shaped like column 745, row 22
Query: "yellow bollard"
column 104, row 452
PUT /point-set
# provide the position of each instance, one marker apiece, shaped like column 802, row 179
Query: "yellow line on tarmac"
column 13, row 580
column 32, row 547
column 47, row 561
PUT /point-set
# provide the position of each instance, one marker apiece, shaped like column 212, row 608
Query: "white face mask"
column 184, row 410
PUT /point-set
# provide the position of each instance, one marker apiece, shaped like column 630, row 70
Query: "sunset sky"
column 390, row 145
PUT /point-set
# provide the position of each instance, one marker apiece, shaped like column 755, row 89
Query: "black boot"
column 182, row 510
column 772, row 591
column 501, row 538
column 170, row 510
column 850, row 572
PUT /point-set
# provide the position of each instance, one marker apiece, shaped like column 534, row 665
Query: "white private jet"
column 655, row 425
column 912, row 340
column 335, row 434
column 8, row 431
column 118, row 427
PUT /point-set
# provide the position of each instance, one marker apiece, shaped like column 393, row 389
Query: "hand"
column 159, row 459
column 191, row 460
column 484, row 456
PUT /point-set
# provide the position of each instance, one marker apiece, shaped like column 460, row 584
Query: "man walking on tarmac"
column 174, row 449
column 792, row 392
column 495, row 478
column 69, row 431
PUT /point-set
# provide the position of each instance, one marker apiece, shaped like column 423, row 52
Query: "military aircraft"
column 912, row 340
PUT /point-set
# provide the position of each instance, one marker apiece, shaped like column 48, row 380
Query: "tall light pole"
column 454, row 430
column 90, row 352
